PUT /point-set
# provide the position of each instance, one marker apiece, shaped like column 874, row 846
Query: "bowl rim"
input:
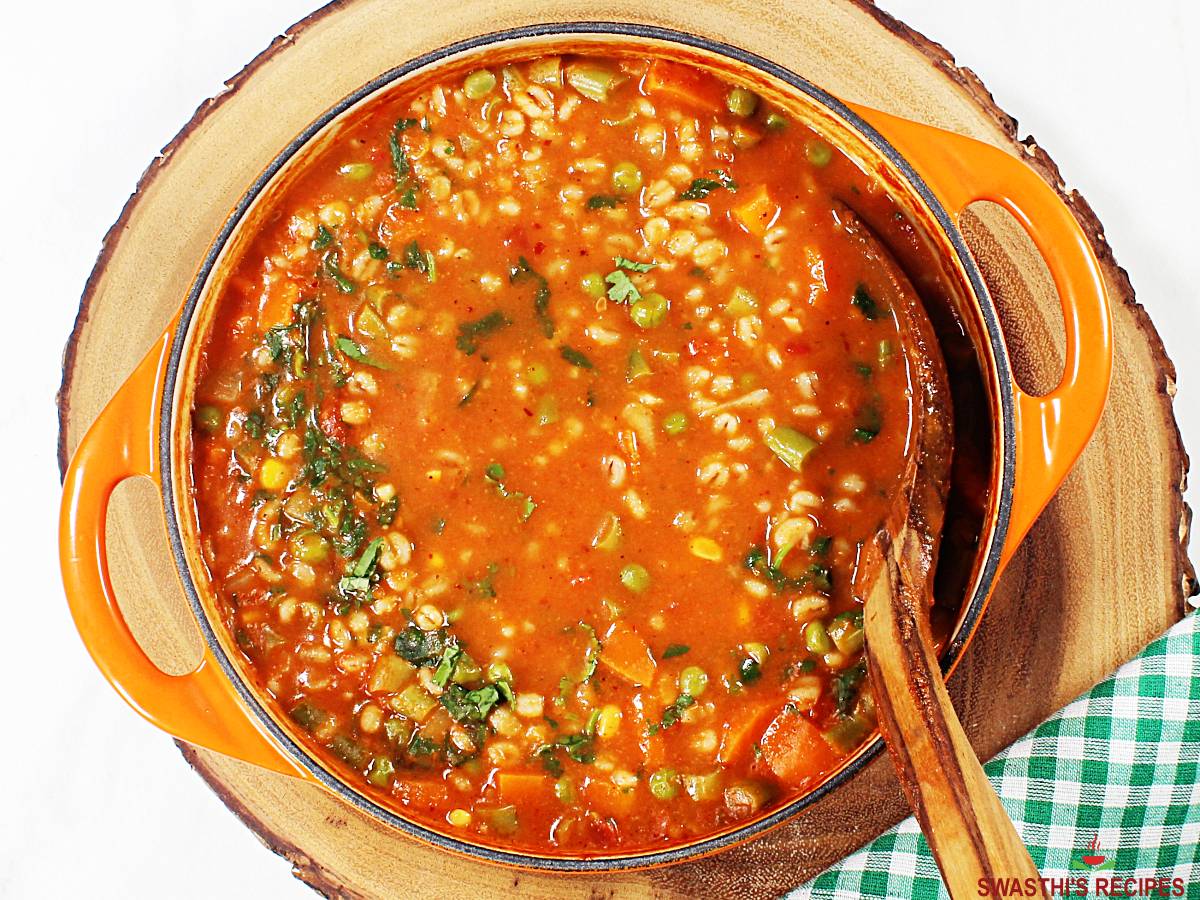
column 972, row 609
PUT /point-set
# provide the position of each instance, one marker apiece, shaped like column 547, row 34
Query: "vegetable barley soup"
column 537, row 435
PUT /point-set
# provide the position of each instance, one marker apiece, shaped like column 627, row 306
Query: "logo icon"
column 1091, row 859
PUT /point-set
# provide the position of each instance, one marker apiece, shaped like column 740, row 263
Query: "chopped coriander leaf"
column 575, row 358
column 470, row 333
column 417, row 260
column 622, row 263
column 359, row 354
column 323, row 239
column 621, row 289
column 366, row 563
column 387, row 511
column 423, row 648
column 845, row 688
column 401, row 165
column 869, row 424
column 674, row 650
column 749, row 670
column 377, row 251
column 604, row 201
column 495, row 473
column 672, row 714
column 471, row 706
column 865, row 303
column 702, row 187
column 815, row 576
column 820, row 546
column 332, row 268
column 484, row 587
column 445, row 666
column 523, row 271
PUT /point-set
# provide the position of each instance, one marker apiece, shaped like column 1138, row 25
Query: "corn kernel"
column 459, row 818
column 704, row 548
column 273, row 475
column 608, row 723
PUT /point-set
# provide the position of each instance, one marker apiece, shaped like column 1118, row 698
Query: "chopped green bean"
column 790, row 446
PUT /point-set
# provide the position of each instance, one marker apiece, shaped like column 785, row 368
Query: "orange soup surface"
column 534, row 442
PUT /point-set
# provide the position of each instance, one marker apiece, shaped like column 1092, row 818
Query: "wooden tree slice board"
column 1102, row 572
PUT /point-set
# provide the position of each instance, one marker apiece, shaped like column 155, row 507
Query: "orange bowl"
column 932, row 175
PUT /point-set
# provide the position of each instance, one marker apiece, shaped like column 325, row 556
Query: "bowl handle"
column 1053, row 429
column 200, row 707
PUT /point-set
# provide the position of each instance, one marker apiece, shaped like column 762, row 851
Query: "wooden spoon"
column 968, row 830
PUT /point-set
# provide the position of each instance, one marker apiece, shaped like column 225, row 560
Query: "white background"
column 93, row 801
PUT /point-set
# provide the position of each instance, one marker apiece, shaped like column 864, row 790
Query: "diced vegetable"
column 591, row 80
column 637, row 367
column 846, row 631
column 608, row 537
column 741, row 303
column 816, row 638
column 792, row 750
column 356, row 171
column 791, row 446
column 683, row 82
column 703, row 787
column 693, row 681
column 547, row 71
column 664, row 784
column 479, row 84
column 757, row 212
column 626, row 654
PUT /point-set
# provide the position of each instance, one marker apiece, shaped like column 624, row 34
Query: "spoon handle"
column 970, row 834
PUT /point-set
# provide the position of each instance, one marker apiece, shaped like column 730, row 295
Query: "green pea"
column 675, row 423
column 537, row 374
column 693, row 681
column 650, row 311
column 818, row 152
column 626, row 178
column 593, row 285
column 309, row 547
column 635, row 578
column 741, row 102
column 479, row 84
column 777, row 121
column 664, row 784
column 816, row 638
column 208, row 418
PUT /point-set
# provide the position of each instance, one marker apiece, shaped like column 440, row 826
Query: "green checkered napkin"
column 1118, row 767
